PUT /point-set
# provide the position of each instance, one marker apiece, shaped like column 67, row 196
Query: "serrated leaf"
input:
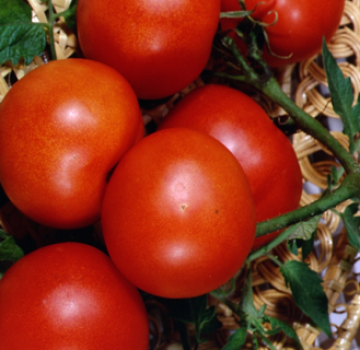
column 308, row 294
column 14, row 11
column 236, row 340
column 19, row 37
column 9, row 250
column 21, row 41
column 341, row 96
column 352, row 224
column 69, row 15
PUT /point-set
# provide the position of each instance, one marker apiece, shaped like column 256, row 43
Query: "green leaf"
column 69, row 15
column 308, row 294
column 14, row 11
column 305, row 229
column 9, row 250
column 352, row 224
column 278, row 325
column 336, row 174
column 21, row 41
column 236, row 340
column 307, row 246
column 19, row 37
column 342, row 96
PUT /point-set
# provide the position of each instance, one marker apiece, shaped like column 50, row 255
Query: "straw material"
column 333, row 258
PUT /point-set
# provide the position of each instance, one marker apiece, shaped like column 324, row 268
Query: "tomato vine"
column 31, row 39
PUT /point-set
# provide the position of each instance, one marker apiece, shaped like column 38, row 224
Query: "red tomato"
column 159, row 46
column 300, row 27
column 264, row 152
column 178, row 214
column 70, row 296
column 63, row 127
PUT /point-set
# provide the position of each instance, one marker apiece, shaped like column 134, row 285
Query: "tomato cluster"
column 178, row 208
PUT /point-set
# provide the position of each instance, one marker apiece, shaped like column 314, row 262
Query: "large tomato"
column 160, row 46
column 178, row 214
column 264, row 152
column 300, row 27
column 63, row 127
column 70, row 296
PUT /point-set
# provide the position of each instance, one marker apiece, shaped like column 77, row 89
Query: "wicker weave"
column 332, row 256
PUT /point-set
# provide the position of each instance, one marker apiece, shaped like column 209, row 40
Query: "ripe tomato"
column 300, row 27
column 178, row 214
column 159, row 46
column 70, row 296
column 264, row 152
column 63, row 127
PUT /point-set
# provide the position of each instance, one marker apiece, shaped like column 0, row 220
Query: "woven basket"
column 332, row 257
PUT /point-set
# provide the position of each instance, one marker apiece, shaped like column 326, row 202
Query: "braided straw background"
column 333, row 258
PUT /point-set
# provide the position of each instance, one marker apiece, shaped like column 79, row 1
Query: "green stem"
column 50, row 27
column 267, row 248
column 275, row 260
column 271, row 88
column 310, row 125
column 350, row 188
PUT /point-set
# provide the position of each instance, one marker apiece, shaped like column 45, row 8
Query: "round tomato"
column 70, row 296
column 264, row 152
column 178, row 214
column 63, row 127
column 300, row 26
column 160, row 46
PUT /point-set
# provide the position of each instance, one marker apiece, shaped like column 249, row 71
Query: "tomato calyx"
column 250, row 31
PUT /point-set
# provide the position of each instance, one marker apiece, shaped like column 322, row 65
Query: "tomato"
column 178, row 215
column 300, row 27
column 63, row 127
column 160, row 46
column 264, row 152
column 70, row 296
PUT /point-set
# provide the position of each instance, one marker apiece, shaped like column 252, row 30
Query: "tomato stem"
column 350, row 187
column 50, row 28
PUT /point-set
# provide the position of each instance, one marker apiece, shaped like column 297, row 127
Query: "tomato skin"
column 63, row 127
column 70, row 296
column 160, row 46
column 178, row 215
column 300, row 28
column 264, row 152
